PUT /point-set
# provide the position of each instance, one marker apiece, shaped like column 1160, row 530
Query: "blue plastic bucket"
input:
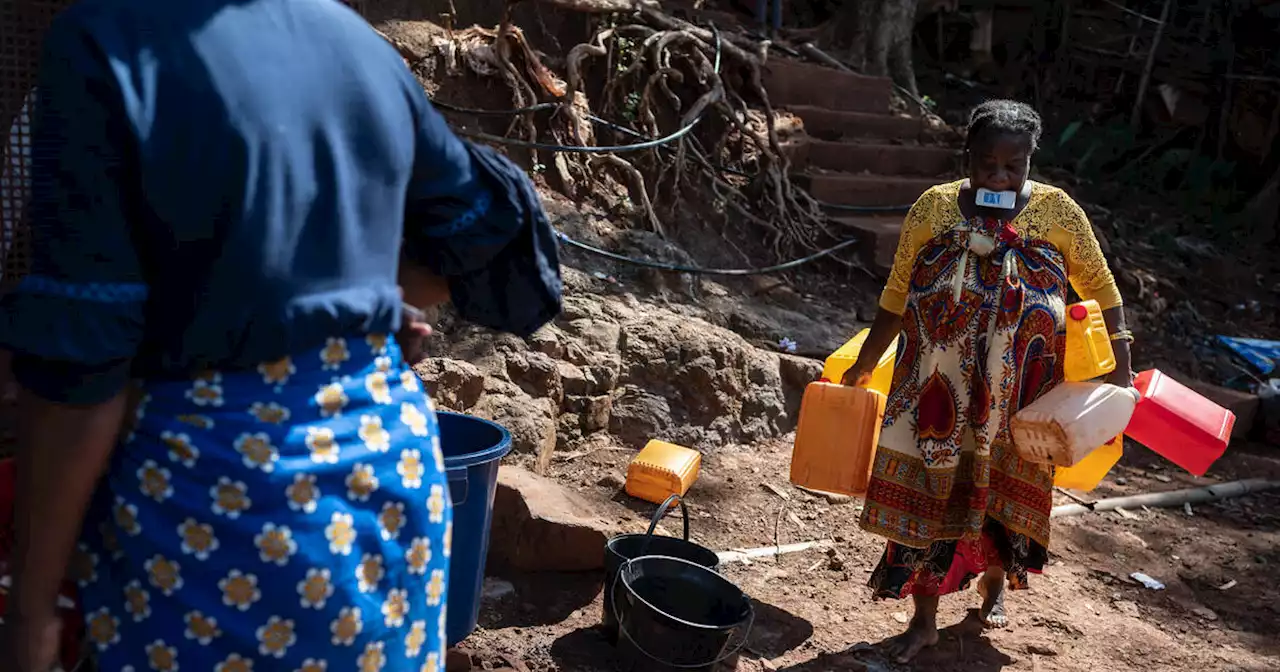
column 472, row 450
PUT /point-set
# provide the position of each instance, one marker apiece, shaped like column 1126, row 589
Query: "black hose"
column 776, row 268
column 647, row 144
column 582, row 149
column 494, row 113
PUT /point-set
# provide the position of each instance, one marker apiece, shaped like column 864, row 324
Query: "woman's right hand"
column 858, row 375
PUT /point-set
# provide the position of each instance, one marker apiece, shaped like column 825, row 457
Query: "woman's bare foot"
column 918, row 637
column 992, row 590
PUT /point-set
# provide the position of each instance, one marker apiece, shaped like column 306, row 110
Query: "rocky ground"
column 640, row 354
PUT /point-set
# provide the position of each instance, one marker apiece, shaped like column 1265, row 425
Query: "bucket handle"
column 456, row 477
column 660, row 514
column 622, row 627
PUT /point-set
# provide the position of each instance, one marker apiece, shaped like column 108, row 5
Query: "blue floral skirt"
column 293, row 518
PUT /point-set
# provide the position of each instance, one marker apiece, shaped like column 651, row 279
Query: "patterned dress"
column 292, row 518
column 983, row 324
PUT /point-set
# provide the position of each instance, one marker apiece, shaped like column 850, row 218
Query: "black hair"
column 1003, row 116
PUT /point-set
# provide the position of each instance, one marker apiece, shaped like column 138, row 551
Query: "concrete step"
column 866, row 190
column 879, row 240
column 791, row 83
column 827, row 124
column 882, row 159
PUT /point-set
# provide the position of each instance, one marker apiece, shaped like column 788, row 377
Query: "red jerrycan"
column 1178, row 423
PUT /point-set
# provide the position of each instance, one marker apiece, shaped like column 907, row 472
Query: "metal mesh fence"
column 22, row 27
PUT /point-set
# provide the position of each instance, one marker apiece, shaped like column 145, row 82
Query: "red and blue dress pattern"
column 983, row 338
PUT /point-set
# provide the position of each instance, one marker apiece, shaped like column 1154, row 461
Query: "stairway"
column 856, row 152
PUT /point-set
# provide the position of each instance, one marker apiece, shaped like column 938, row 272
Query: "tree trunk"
column 851, row 29
column 900, row 17
column 876, row 37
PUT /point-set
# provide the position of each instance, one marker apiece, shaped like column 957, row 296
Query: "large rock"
column 537, row 374
column 706, row 378
column 638, row 416
column 532, row 422
column 797, row 373
column 453, row 384
column 594, row 411
column 540, row 526
column 599, row 335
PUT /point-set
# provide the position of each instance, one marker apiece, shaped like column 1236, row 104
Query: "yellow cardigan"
column 1050, row 215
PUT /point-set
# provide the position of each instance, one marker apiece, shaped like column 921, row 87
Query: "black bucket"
column 620, row 549
column 677, row 615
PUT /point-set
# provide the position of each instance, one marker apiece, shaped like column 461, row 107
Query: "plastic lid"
column 1079, row 312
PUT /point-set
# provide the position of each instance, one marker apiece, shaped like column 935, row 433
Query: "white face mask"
column 1004, row 200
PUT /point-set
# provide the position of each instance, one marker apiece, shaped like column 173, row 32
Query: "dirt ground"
column 814, row 613
column 1220, row 609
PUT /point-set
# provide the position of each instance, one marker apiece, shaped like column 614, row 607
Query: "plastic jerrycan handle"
column 865, row 386
column 1079, row 313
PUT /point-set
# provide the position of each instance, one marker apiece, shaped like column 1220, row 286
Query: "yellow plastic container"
column 836, row 438
column 1089, row 472
column 842, row 359
column 662, row 469
column 1089, row 354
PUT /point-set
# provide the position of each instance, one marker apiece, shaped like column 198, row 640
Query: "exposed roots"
column 661, row 74
column 635, row 180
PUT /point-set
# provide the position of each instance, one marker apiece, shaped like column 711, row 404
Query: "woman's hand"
column 858, row 375
column 30, row 644
column 414, row 330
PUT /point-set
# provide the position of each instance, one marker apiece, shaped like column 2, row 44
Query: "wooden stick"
column 1208, row 493
column 769, row 551
column 1151, row 63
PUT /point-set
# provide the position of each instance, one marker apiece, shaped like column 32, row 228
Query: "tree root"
column 637, row 187
column 660, row 68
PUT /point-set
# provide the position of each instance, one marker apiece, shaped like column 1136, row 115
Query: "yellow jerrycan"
column 1088, row 349
column 1089, row 472
column 841, row 360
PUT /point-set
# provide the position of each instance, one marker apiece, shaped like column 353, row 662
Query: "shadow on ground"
column 584, row 650
column 540, row 599
column 962, row 648
column 776, row 631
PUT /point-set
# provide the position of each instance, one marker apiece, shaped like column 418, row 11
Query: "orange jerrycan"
column 842, row 359
column 1089, row 472
column 661, row 470
column 1088, row 349
column 836, row 438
